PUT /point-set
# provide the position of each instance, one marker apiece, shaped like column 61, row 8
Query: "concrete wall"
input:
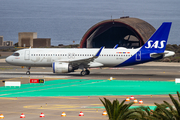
column 1, row 40
column 41, row 42
column 8, row 43
column 26, row 38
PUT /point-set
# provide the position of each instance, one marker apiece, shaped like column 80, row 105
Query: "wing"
column 85, row 61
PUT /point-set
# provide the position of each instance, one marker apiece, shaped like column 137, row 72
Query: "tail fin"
column 159, row 39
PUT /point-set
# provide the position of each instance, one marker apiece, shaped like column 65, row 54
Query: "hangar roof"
column 121, row 31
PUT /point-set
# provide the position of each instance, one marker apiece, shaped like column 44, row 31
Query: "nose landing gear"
column 28, row 71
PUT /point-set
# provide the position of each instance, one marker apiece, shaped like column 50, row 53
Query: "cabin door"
column 27, row 55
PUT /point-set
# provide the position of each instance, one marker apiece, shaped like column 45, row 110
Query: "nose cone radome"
column 8, row 60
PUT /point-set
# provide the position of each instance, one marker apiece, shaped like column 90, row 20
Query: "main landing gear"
column 85, row 72
column 28, row 71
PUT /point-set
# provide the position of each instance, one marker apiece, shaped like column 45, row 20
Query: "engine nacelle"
column 59, row 67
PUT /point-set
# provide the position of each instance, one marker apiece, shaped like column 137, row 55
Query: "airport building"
column 1, row 40
column 29, row 39
column 125, row 31
column 8, row 43
column 26, row 39
column 41, row 42
column 5, row 43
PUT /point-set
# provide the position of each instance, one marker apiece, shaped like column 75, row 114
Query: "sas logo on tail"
column 156, row 44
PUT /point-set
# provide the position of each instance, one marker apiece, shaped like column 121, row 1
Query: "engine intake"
column 59, row 67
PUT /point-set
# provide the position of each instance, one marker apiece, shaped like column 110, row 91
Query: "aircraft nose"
column 7, row 59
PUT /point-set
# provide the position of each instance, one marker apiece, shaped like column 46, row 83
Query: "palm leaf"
column 118, row 111
column 176, row 104
column 168, row 115
column 178, row 95
column 169, row 106
column 107, row 105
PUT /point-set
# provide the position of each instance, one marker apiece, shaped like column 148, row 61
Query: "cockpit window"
column 15, row 54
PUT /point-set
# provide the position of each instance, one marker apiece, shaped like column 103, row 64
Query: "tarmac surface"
column 53, row 105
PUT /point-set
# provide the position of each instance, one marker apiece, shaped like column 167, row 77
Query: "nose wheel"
column 28, row 71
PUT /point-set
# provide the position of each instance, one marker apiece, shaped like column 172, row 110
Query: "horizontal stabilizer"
column 156, row 55
column 165, row 54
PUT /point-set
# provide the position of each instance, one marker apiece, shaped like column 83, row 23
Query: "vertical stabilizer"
column 159, row 39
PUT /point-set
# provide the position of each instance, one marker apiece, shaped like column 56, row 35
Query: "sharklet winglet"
column 99, row 52
column 116, row 46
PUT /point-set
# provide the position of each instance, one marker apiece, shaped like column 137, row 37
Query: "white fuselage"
column 42, row 57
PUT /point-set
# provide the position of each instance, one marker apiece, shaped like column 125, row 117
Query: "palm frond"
column 176, row 103
column 164, row 112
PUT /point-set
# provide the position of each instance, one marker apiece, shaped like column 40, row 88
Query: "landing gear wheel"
column 83, row 73
column 28, row 73
column 87, row 72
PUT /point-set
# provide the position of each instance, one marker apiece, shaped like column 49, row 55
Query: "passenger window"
column 15, row 54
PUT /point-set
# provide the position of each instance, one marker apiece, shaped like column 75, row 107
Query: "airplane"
column 67, row 60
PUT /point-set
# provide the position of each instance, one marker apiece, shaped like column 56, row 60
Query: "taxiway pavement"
column 52, row 107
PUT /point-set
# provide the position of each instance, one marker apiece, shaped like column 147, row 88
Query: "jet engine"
column 59, row 67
